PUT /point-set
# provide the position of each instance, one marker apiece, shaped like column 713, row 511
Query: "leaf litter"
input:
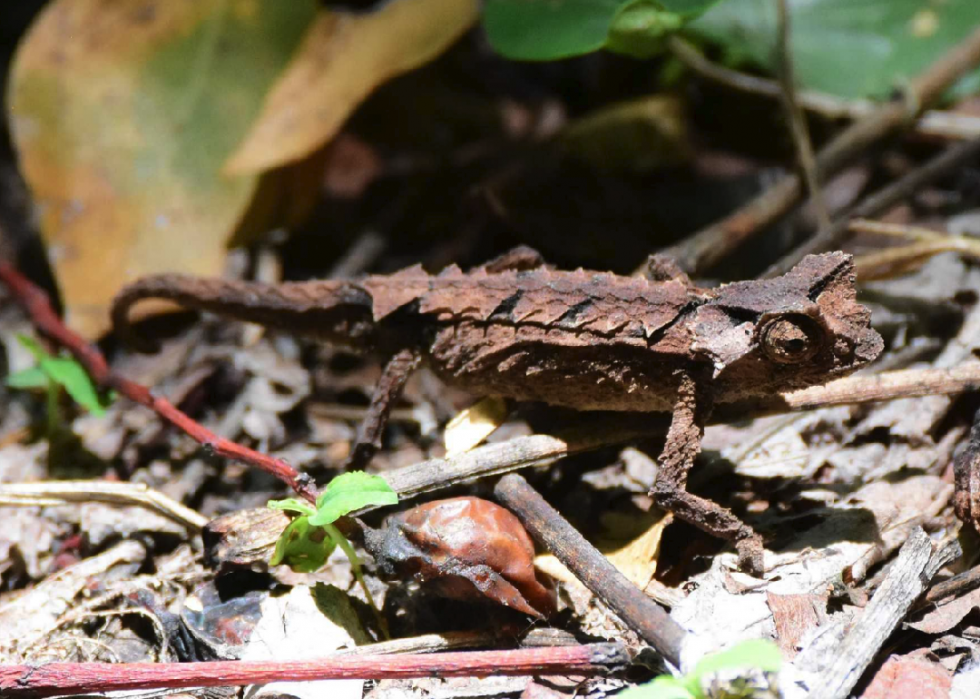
column 837, row 492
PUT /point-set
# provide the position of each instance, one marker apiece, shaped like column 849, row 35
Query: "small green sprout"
column 52, row 374
column 307, row 541
column 756, row 654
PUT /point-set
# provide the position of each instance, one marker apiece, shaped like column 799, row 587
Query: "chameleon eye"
column 791, row 339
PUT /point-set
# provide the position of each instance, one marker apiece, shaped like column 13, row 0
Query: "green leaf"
column 638, row 29
column 546, row 30
column 349, row 492
column 32, row 346
column 663, row 687
column 124, row 114
column 66, row 373
column 33, row 377
column 292, row 505
column 851, row 48
column 71, row 375
column 302, row 546
column 755, row 653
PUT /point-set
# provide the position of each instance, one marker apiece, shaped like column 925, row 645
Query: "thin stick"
column 553, row 531
column 37, row 306
column 794, row 115
column 853, row 390
column 937, row 123
column 34, row 682
column 712, row 244
column 879, row 202
column 61, row 492
column 954, row 587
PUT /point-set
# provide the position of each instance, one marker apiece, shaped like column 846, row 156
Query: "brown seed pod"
column 464, row 548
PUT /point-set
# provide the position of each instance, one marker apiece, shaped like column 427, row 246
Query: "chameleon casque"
column 518, row 328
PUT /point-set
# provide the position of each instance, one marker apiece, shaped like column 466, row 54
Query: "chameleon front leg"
column 670, row 489
column 386, row 392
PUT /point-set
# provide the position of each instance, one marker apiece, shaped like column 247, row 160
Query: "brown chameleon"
column 518, row 328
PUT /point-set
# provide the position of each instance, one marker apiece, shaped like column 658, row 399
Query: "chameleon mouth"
column 869, row 347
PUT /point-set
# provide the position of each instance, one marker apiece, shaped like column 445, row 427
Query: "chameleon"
column 518, row 328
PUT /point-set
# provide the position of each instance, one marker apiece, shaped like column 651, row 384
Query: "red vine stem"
column 36, row 304
column 34, row 682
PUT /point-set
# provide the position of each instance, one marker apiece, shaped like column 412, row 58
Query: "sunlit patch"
column 924, row 23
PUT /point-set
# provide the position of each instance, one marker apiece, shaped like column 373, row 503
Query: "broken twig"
column 908, row 577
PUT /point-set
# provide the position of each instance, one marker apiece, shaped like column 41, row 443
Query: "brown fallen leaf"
column 464, row 548
column 122, row 115
column 946, row 616
column 343, row 58
column 793, row 616
column 909, row 677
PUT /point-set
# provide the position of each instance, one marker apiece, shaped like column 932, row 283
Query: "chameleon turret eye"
column 791, row 339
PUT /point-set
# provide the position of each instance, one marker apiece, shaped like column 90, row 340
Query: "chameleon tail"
column 335, row 311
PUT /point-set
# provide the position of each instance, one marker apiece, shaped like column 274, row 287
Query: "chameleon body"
column 586, row 340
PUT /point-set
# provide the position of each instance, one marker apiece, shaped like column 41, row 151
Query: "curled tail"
column 336, row 311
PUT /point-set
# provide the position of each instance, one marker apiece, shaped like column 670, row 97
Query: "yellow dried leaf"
column 473, row 425
column 123, row 113
column 637, row 560
column 343, row 58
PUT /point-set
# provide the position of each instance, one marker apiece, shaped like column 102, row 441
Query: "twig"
column 966, row 475
column 935, row 123
column 915, row 566
column 521, row 452
column 595, row 571
column 881, row 201
column 852, row 390
column 37, row 306
column 715, row 242
column 34, row 682
column 954, row 587
column 61, row 492
column 892, row 261
column 794, row 115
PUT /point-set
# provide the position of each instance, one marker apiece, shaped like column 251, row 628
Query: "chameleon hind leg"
column 670, row 489
column 386, row 392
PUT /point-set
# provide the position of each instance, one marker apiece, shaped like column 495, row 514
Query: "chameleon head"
column 801, row 329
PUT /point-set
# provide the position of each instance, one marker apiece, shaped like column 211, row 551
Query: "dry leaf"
column 637, row 560
column 465, row 548
column 344, row 57
column 473, row 425
column 909, row 677
column 947, row 614
column 123, row 113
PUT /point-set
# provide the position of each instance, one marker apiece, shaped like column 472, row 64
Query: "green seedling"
column 54, row 375
column 754, row 655
column 307, row 541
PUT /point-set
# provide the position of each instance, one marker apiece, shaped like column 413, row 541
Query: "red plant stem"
column 35, row 303
column 26, row 681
